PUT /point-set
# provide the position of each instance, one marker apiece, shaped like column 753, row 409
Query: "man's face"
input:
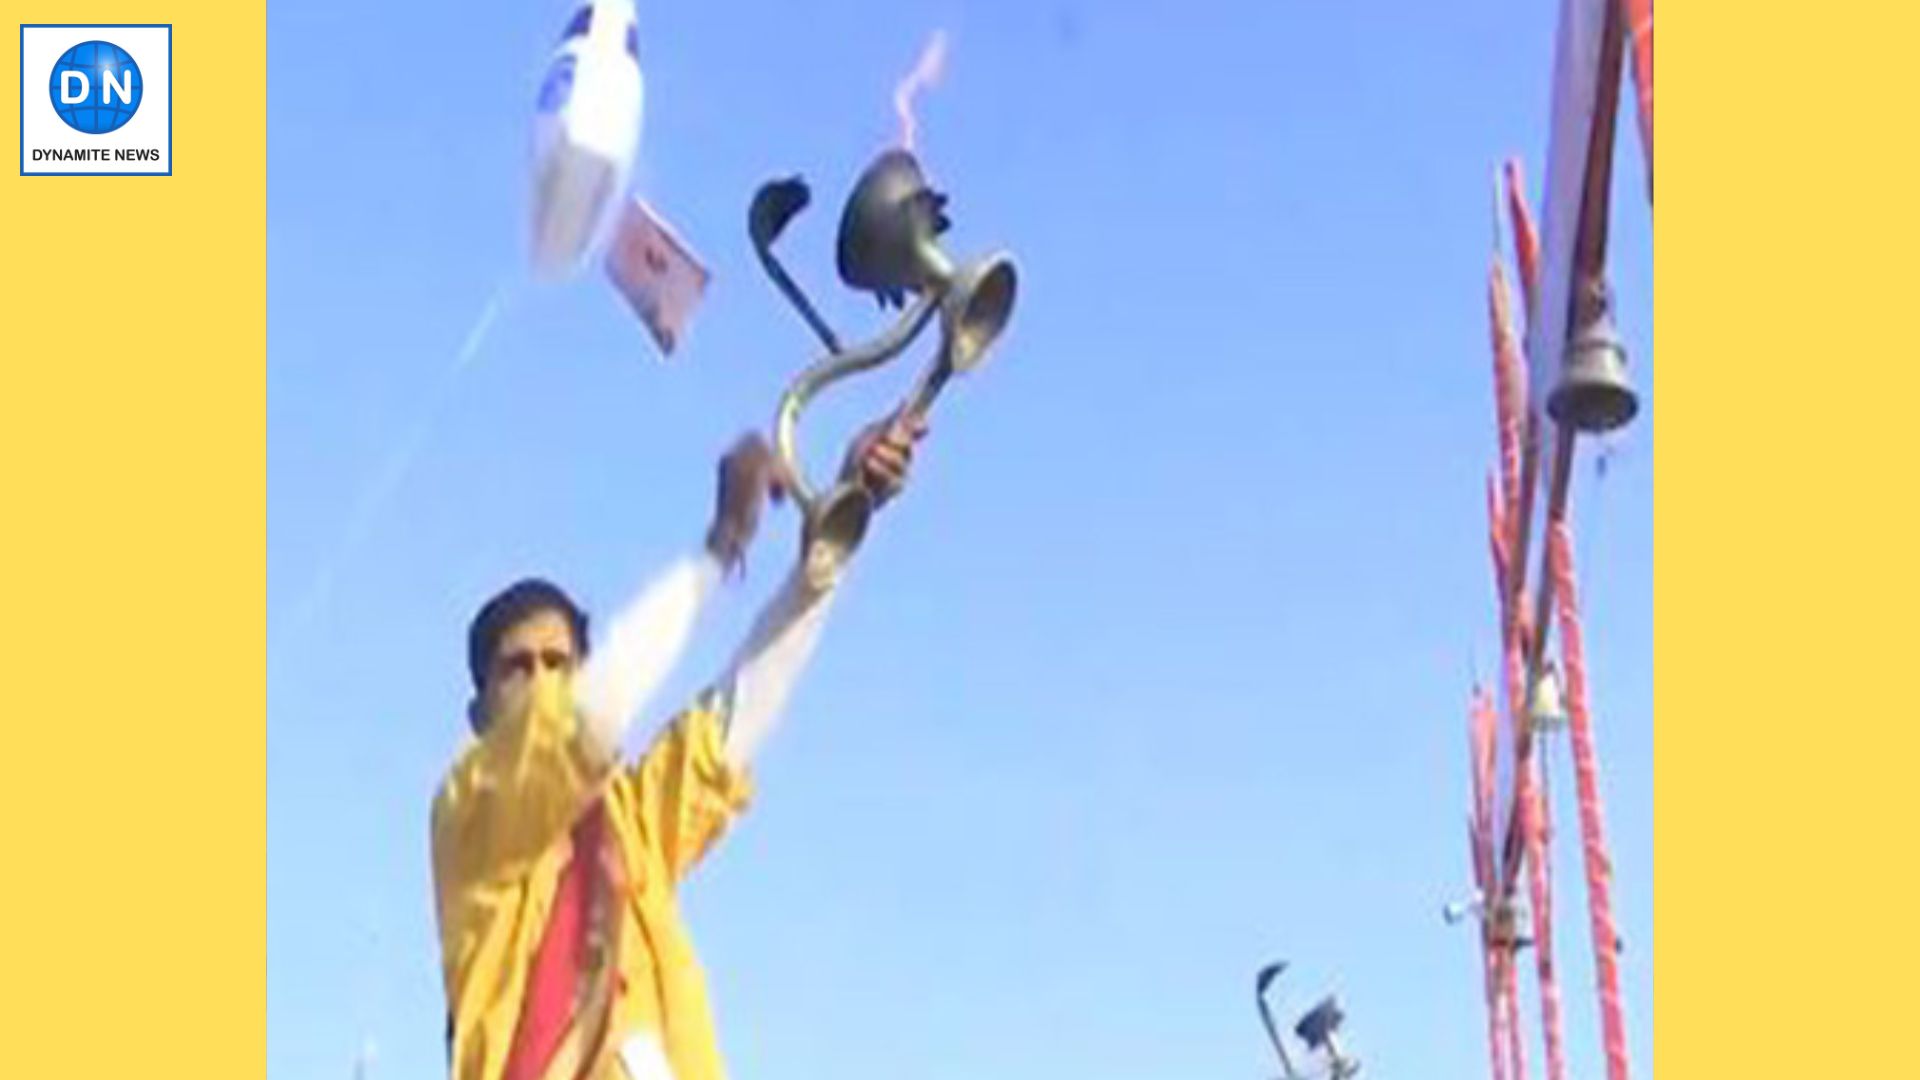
column 538, row 647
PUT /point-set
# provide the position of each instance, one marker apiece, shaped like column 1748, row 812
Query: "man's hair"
column 511, row 606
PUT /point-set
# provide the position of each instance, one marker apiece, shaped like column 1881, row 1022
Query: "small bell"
column 1546, row 711
column 1508, row 926
column 1593, row 395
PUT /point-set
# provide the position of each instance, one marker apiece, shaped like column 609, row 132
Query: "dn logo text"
column 95, row 87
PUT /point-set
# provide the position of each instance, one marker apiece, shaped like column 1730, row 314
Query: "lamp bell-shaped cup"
column 1593, row 395
column 889, row 231
column 976, row 308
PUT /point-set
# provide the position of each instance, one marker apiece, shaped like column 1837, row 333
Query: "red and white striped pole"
column 1510, row 401
column 1480, row 746
column 1638, row 16
column 1586, row 774
column 1541, row 894
column 1516, row 1035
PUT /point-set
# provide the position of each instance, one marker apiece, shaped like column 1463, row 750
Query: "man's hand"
column 750, row 476
column 882, row 455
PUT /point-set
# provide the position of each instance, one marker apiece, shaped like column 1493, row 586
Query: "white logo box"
column 151, row 128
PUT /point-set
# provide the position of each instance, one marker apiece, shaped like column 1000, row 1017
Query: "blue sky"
column 1160, row 670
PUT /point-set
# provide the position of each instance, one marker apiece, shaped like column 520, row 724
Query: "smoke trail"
column 926, row 71
column 387, row 482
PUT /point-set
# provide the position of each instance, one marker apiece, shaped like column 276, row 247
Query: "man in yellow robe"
column 555, row 863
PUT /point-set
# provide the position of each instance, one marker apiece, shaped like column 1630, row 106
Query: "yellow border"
column 1785, row 589
column 132, row 466
column 132, row 552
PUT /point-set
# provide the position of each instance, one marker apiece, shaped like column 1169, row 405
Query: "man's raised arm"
column 755, row 690
column 640, row 647
column 646, row 638
column 762, row 676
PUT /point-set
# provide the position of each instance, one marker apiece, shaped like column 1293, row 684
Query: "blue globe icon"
column 95, row 87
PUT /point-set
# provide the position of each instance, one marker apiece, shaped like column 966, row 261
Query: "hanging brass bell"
column 1593, row 395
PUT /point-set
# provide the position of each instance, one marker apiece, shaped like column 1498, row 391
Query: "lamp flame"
column 926, row 71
